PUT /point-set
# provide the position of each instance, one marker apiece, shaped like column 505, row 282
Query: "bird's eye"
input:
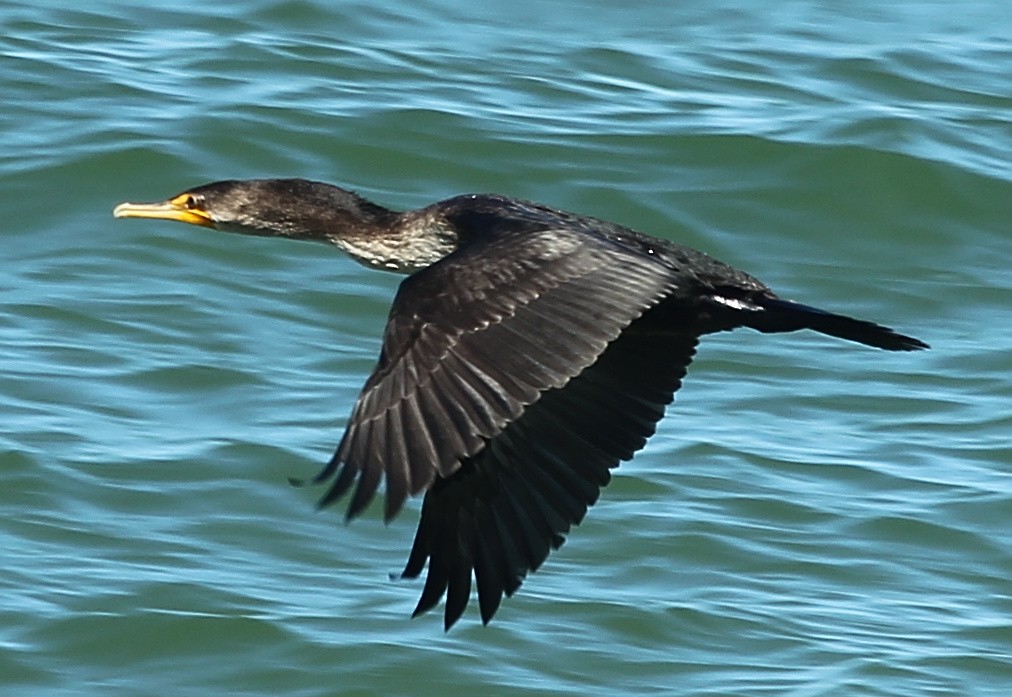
column 191, row 201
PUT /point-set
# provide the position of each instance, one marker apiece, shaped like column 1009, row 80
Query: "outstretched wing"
column 473, row 340
column 502, row 512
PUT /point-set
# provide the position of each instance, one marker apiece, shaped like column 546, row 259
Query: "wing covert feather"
column 474, row 339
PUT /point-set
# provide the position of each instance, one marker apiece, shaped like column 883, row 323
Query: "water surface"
column 812, row 518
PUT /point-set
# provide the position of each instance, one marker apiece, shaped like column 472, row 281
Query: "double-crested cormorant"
column 526, row 354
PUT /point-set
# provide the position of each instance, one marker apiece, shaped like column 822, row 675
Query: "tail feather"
column 778, row 315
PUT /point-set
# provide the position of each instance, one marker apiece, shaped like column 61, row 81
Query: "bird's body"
column 528, row 352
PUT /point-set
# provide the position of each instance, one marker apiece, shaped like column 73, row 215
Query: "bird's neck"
column 404, row 244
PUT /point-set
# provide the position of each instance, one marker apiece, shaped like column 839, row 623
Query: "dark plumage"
column 529, row 351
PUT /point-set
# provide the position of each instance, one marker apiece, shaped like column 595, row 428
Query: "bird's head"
column 293, row 208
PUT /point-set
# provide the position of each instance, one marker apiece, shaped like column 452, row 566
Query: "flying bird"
column 528, row 351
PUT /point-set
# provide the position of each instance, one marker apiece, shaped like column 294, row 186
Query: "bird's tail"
column 778, row 315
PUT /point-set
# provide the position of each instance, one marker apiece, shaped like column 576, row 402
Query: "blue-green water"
column 812, row 518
